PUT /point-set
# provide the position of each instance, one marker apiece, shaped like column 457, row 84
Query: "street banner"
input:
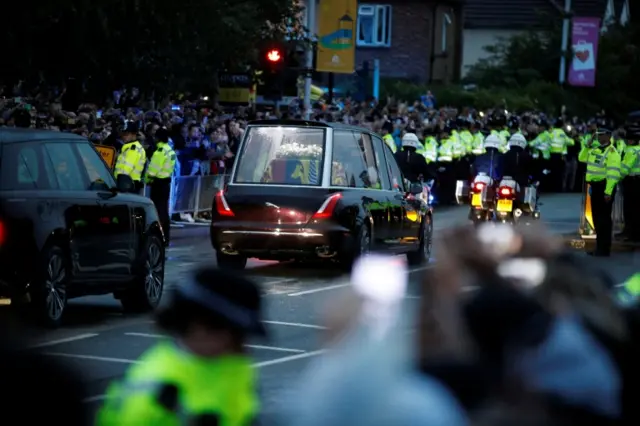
column 336, row 36
column 584, row 42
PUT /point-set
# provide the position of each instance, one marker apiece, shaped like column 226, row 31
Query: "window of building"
column 374, row 25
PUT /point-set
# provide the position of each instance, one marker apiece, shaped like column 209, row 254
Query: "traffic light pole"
column 311, row 30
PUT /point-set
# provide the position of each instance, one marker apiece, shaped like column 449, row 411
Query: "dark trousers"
column 631, row 206
column 160, row 193
column 447, row 183
column 601, row 211
column 557, row 166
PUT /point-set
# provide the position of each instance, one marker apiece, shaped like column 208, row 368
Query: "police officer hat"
column 131, row 126
column 603, row 131
column 218, row 298
column 388, row 126
column 633, row 131
column 162, row 134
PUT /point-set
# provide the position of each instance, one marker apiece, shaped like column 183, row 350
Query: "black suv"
column 67, row 230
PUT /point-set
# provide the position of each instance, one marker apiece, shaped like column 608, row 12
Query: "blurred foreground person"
column 201, row 375
column 365, row 378
column 37, row 389
column 539, row 334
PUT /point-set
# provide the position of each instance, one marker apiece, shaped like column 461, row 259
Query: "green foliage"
column 153, row 45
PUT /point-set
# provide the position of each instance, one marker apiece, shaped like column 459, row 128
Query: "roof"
column 307, row 123
column 524, row 14
column 12, row 135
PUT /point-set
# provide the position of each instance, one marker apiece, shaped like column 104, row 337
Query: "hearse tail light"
column 222, row 207
column 326, row 209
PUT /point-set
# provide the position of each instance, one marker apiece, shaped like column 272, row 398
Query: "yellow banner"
column 336, row 36
column 108, row 154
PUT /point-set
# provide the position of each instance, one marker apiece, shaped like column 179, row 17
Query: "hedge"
column 538, row 95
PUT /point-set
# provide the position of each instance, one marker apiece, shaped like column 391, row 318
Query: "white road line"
column 277, row 282
column 296, row 324
column 337, row 286
column 318, row 290
column 65, row 340
column 93, row 358
column 266, row 348
column 289, row 358
column 98, row 398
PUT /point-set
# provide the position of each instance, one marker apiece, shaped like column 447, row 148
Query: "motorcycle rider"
column 516, row 161
column 490, row 161
column 411, row 160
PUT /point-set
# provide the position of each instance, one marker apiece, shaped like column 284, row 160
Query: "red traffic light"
column 274, row 55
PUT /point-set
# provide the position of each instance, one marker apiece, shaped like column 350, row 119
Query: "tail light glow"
column 478, row 187
column 222, row 207
column 505, row 191
column 3, row 233
column 326, row 209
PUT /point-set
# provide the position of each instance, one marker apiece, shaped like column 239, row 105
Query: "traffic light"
column 273, row 64
column 273, row 57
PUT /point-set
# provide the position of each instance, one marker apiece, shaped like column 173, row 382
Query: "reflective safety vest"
column 630, row 165
column 162, row 163
column 388, row 139
column 560, row 141
column 445, row 151
column 131, row 161
column 457, row 146
column 629, row 292
column 541, row 144
column 467, row 140
column 173, row 387
column 602, row 164
column 477, row 145
column 430, row 149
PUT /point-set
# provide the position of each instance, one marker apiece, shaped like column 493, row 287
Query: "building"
column 420, row 40
column 488, row 21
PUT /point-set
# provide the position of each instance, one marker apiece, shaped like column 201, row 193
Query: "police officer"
column 411, row 159
column 603, row 174
column 630, row 172
column 158, row 177
column 201, row 374
column 387, row 129
column 132, row 157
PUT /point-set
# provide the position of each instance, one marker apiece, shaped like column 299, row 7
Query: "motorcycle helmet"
column 410, row 140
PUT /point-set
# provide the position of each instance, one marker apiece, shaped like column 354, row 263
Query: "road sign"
column 108, row 154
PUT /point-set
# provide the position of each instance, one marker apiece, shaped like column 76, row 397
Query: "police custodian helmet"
column 217, row 298
column 131, row 126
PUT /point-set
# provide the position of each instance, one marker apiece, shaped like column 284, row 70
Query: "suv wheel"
column 49, row 294
column 145, row 292
column 423, row 254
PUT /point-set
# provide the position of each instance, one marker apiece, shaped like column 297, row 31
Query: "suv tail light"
column 326, row 209
column 506, row 192
column 222, row 207
column 478, row 187
column 3, row 233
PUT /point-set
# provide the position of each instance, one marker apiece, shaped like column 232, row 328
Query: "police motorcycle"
column 514, row 203
column 481, row 193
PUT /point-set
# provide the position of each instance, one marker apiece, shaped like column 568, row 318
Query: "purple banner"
column 584, row 42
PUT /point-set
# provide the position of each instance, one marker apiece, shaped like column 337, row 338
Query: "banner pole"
column 566, row 24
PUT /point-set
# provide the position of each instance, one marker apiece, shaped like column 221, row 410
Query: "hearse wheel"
column 423, row 254
column 228, row 261
column 361, row 247
column 145, row 292
column 49, row 293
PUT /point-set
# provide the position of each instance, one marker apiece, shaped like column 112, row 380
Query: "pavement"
column 101, row 342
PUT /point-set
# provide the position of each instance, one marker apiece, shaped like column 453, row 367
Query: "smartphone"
column 99, row 114
column 175, row 108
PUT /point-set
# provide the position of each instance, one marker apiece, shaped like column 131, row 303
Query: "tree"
column 156, row 46
column 534, row 56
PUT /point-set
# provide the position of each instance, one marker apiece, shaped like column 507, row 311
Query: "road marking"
column 93, row 358
column 296, row 324
column 98, row 398
column 267, row 348
column 318, row 290
column 337, row 286
column 289, row 358
column 65, row 340
column 174, row 249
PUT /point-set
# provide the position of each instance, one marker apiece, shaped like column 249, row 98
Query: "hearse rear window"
column 280, row 155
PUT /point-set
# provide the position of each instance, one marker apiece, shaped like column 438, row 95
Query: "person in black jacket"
column 412, row 163
column 517, row 162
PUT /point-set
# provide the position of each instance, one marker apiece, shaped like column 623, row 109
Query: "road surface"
column 101, row 342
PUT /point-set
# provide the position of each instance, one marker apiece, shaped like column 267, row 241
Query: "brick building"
column 419, row 40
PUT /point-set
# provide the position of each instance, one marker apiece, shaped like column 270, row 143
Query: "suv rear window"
column 280, row 155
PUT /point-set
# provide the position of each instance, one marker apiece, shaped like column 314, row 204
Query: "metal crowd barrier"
column 587, row 229
column 193, row 194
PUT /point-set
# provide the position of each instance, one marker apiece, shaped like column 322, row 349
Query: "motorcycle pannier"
column 462, row 192
column 529, row 202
